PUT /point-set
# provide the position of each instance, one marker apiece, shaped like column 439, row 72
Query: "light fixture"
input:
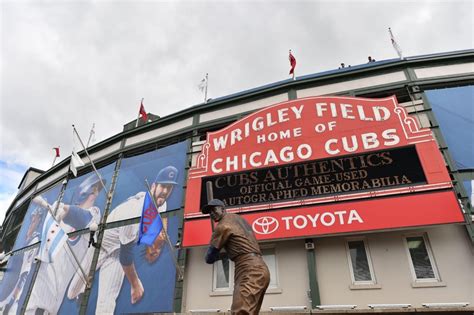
column 93, row 228
column 287, row 308
column 389, row 305
column 206, row 310
column 449, row 304
column 336, row 307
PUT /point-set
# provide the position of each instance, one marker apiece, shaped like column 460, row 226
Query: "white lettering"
column 340, row 215
column 369, row 140
column 345, row 144
column 328, row 149
column 290, row 156
column 252, row 159
column 331, row 219
column 298, row 225
column 302, row 155
column 283, row 115
column 257, row 124
column 353, row 215
column 287, row 222
column 213, row 166
column 326, row 218
column 320, row 128
column 232, row 162
column 260, row 138
column 313, row 219
column 220, row 143
column 235, row 135
column 346, row 110
column 361, row 112
column 271, row 157
column 331, row 125
column 297, row 111
column 381, row 113
column 320, row 108
column 390, row 134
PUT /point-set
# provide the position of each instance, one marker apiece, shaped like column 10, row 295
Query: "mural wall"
column 55, row 238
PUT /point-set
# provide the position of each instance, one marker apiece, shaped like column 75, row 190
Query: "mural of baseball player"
column 54, row 276
column 10, row 304
column 116, row 258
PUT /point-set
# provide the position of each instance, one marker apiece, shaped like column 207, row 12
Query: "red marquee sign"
column 299, row 155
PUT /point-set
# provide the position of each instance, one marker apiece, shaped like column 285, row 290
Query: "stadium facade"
column 357, row 182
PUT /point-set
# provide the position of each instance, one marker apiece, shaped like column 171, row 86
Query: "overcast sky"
column 85, row 62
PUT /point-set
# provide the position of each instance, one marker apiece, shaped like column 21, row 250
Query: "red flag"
column 143, row 113
column 57, row 151
column 292, row 63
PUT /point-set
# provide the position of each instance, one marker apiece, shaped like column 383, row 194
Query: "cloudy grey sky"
column 83, row 62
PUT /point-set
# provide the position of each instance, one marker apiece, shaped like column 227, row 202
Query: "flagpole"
column 293, row 68
column 138, row 117
column 210, row 196
column 395, row 44
column 178, row 267
column 205, row 93
column 90, row 160
column 90, row 134
column 55, row 156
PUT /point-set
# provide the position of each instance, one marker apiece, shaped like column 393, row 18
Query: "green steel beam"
column 100, row 236
column 313, row 278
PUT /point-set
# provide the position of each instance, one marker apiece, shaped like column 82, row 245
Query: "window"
column 270, row 259
column 223, row 275
column 360, row 264
column 421, row 259
column 223, row 272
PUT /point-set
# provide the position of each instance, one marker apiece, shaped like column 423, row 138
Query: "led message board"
column 292, row 156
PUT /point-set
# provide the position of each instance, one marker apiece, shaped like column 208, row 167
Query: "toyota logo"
column 265, row 225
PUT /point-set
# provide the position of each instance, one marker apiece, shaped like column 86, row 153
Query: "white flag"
column 395, row 44
column 53, row 238
column 75, row 162
column 202, row 84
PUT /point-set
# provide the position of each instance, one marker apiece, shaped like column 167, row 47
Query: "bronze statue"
column 235, row 235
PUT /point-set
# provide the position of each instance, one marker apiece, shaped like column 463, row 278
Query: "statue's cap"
column 211, row 204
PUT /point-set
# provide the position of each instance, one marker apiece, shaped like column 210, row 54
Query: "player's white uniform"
column 28, row 258
column 111, row 272
column 53, row 278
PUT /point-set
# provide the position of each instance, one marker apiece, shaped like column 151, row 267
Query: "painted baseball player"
column 53, row 277
column 10, row 304
column 116, row 256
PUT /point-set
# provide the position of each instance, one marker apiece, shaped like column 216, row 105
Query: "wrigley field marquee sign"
column 322, row 165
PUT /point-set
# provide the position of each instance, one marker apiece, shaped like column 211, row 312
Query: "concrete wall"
column 292, row 278
column 453, row 256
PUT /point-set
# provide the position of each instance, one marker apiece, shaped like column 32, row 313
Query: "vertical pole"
column 38, row 263
column 100, row 236
column 138, row 116
column 210, row 196
column 90, row 160
column 313, row 278
column 55, row 156
column 165, row 230
column 205, row 92
column 90, row 134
